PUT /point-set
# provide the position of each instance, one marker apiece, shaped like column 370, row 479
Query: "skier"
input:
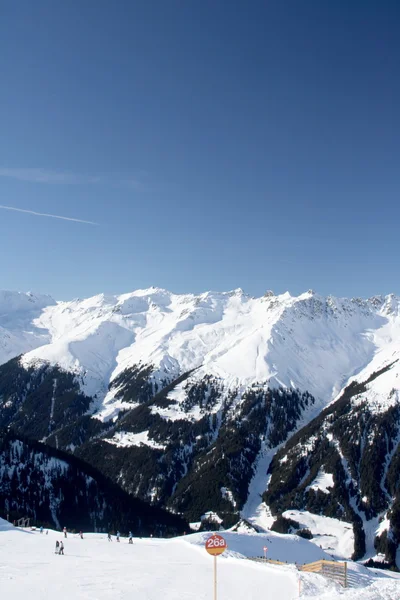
column 61, row 548
column 57, row 547
column 130, row 537
column 65, row 532
column 41, row 530
column 81, row 535
column 109, row 537
column 118, row 534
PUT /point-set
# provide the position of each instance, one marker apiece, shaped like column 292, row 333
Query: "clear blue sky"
column 217, row 144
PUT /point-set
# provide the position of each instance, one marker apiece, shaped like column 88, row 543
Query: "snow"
column 323, row 482
column 333, row 536
column 285, row 548
column 211, row 516
column 18, row 334
column 226, row 493
column 377, row 591
column 255, row 510
column 123, row 439
column 94, row 569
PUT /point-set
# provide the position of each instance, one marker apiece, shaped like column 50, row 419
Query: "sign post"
column 215, row 545
column 265, row 552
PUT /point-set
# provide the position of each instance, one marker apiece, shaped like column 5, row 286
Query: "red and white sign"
column 216, row 545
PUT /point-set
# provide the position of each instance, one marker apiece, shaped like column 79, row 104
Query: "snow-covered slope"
column 306, row 342
column 18, row 332
column 335, row 537
column 94, row 569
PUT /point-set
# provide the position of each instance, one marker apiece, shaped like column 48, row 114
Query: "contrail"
column 38, row 214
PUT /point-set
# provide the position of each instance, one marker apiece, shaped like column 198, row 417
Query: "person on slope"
column 81, row 535
column 130, row 537
column 118, row 534
column 109, row 537
column 57, row 547
column 61, row 548
column 41, row 530
column 65, row 532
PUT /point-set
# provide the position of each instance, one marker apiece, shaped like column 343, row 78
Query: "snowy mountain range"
column 184, row 400
column 307, row 342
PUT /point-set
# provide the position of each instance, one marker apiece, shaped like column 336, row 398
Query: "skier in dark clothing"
column 61, row 548
column 57, row 547
column 109, row 537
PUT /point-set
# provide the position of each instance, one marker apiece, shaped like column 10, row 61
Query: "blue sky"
column 214, row 145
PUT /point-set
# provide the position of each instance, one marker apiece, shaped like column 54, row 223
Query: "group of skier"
column 60, row 545
column 118, row 535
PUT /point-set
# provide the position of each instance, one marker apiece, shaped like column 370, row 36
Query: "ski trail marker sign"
column 215, row 545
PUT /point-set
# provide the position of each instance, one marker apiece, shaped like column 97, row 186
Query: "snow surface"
column 255, row 510
column 282, row 547
column 335, row 537
column 323, row 482
column 95, row 569
column 123, row 438
column 18, row 334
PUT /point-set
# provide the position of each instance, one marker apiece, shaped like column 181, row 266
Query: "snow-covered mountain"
column 307, row 342
column 18, row 332
column 184, row 400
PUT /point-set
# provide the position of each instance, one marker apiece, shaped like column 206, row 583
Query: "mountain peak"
column 23, row 301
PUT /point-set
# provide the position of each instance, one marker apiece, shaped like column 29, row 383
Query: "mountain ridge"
column 230, row 334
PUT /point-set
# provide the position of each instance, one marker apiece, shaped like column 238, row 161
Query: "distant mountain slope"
column 346, row 464
column 54, row 488
column 18, row 332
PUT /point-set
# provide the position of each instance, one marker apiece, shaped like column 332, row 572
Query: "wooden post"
column 215, row 578
column 345, row 574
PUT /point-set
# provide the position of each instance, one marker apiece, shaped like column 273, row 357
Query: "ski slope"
column 150, row 569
